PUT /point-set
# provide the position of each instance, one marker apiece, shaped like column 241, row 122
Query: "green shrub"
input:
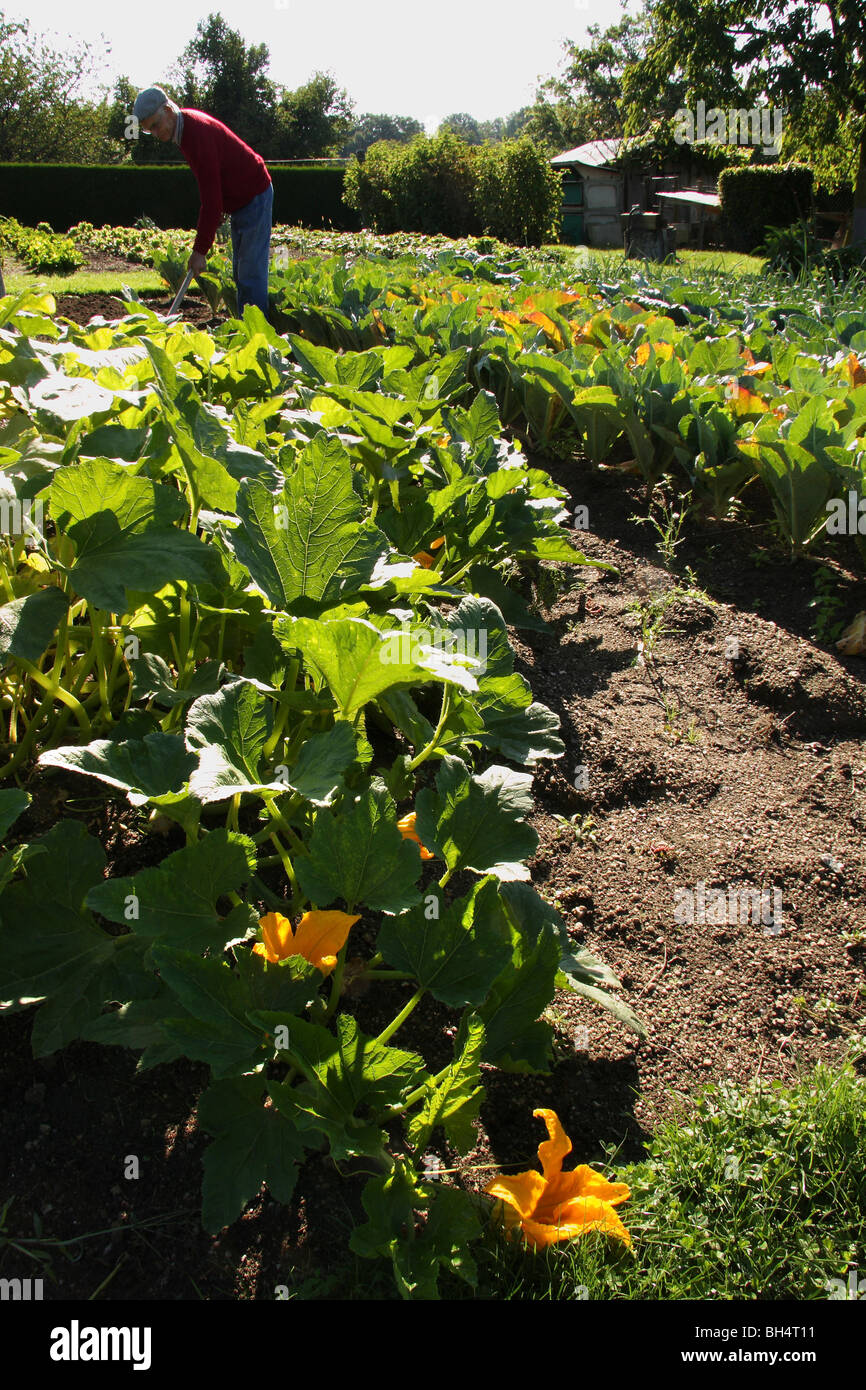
column 518, row 193
column 433, row 186
column 757, row 197
column 797, row 253
column 368, row 184
column 443, row 185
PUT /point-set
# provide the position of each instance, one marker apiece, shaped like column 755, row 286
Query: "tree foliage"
column 369, row 128
column 314, row 120
column 220, row 74
column 43, row 116
column 797, row 54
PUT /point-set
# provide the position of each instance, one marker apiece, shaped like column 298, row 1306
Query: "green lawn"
column 88, row 282
column 729, row 262
column 754, row 1192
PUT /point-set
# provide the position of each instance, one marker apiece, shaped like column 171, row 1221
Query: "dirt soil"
column 729, row 753
column 81, row 308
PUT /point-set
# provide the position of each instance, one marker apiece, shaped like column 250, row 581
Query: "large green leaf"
column 144, row 768
column 516, row 1038
column 28, row 624
column 318, row 773
column 456, row 951
column 345, row 1072
column 478, row 822
column 454, row 1099
column 50, row 947
column 178, row 899
column 125, row 533
column 507, row 719
column 253, row 1144
column 13, row 802
column 311, row 541
column 359, row 662
column 228, row 731
column 217, row 1000
column 361, row 857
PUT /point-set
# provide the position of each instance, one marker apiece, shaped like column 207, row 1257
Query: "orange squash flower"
column 406, row 826
column 551, row 1206
column 424, row 558
column 319, row 938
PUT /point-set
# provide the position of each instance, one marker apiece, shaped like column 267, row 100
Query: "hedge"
column 117, row 195
column 444, row 185
column 758, row 196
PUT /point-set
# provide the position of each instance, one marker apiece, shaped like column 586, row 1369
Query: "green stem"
column 57, row 692
column 432, row 745
column 420, row 1091
column 286, row 862
column 402, row 1016
column 97, row 625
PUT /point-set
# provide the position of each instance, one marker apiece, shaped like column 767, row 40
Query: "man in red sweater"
column 231, row 179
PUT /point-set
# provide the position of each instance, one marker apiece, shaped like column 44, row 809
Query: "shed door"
column 572, row 209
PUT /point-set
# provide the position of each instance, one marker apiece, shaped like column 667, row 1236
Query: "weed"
column 827, row 606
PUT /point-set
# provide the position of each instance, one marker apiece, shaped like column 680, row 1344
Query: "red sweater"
column 229, row 174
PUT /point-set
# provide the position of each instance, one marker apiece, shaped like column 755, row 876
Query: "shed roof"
column 594, row 155
column 689, row 195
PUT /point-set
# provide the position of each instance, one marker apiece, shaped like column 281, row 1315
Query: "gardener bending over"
column 231, row 178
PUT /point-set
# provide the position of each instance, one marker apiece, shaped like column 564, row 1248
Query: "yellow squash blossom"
column 552, row 1205
column 319, row 938
column 406, row 826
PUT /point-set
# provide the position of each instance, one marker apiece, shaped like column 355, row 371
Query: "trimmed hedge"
column 117, row 195
column 758, row 196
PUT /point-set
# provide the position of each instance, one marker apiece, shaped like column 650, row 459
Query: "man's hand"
column 197, row 263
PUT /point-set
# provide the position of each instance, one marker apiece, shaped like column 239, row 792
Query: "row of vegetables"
column 756, row 401
column 258, row 590
column 257, row 584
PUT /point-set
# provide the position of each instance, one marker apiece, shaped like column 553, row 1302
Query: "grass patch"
column 753, row 1193
column 88, row 282
column 716, row 262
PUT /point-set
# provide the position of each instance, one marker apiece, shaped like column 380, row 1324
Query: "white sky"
column 404, row 57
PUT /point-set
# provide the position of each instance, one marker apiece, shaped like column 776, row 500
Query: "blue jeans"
column 251, row 247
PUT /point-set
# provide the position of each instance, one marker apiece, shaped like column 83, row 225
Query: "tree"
column 220, row 74
column 462, row 124
column 369, row 128
column 584, row 101
column 790, row 53
column 562, row 125
column 42, row 116
column 314, row 120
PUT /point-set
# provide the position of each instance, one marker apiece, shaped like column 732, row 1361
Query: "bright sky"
column 403, row 57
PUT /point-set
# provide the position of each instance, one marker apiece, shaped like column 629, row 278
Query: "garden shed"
column 592, row 194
